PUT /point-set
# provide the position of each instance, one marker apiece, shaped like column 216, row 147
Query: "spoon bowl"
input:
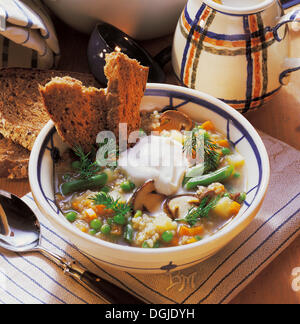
column 21, row 231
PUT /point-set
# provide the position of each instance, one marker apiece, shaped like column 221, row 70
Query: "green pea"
column 227, row 195
column 92, row 232
column 145, row 245
column 242, row 197
column 138, row 214
column 120, row 219
column 110, row 221
column 226, row 151
column 127, row 186
column 167, row 236
column 105, row 229
column 156, row 245
column 71, row 216
column 96, row 224
column 198, row 237
column 236, row 175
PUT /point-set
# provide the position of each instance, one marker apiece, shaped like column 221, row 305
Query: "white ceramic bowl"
column 141, row 19
column 200, row 107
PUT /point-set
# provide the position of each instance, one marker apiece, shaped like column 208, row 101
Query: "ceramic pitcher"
column 239, row 54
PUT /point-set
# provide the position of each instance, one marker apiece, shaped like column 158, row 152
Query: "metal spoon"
column 20, row 232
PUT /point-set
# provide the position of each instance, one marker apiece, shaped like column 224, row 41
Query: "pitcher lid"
column 240, row 10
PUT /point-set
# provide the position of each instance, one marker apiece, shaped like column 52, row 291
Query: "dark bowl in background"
column 106, row 39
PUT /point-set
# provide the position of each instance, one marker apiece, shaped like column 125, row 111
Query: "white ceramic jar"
column 239, row 54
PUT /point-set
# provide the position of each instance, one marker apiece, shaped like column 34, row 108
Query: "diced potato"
column 82, row 226
column 90, row 214
column 226, row 208
column 236, row 160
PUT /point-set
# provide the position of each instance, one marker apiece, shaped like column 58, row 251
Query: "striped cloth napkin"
column 32, row 279
column 27, row 35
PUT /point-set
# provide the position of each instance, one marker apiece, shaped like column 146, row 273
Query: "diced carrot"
column 75, row 205
column 90, row 214
column 223, row 143
column 116, row 230
column 190, row 231
column 175, row 241
column 88, row 203
column 235, row 208
column 209, row 126
column 99, row 209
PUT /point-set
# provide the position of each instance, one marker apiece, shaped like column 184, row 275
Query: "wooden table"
column 279, row 118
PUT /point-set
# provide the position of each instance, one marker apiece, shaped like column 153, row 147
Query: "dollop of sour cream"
column 157, row 158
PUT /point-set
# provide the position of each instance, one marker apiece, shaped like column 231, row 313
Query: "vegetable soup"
column 181, row 182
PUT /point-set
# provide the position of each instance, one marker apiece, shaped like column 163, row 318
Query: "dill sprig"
column 212, row 157
column 206, row 148
column 115, row 205
column 202, row 211
column 108, row 154
column 85, row 167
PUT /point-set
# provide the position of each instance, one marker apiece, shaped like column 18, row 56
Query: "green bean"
column 195, row 171
column 84, row 184
column 128, row 234
column 206, row 180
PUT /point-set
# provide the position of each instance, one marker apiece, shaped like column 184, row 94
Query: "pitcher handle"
column 290, row 64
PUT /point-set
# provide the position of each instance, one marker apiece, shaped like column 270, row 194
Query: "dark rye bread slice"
column 127, row 81
column 22, row 112
column 14, row 160
column 80, row 113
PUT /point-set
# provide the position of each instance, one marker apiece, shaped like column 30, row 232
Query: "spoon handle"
column 106, row 290
column 103, row 288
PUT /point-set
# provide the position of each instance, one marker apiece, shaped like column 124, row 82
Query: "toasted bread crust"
column 80, row 113
column 14, row 160
column 127, row 81
column 22, row 113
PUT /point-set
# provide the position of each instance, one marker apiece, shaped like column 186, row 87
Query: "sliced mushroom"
column 178, row 207
column 145, row 197
column 175, row 120
column 154, row 202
